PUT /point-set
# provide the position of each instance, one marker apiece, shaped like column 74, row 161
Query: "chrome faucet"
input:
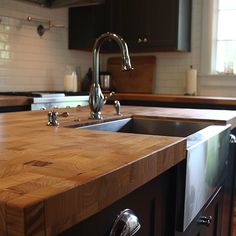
column 96, row 97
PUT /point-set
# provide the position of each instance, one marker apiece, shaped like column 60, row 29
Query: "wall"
column 171, row 67
column 29, row 62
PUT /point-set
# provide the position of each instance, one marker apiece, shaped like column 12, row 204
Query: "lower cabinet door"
column 208, row 221
column 152, row 204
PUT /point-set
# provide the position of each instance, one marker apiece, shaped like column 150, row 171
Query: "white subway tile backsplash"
column 30, row 62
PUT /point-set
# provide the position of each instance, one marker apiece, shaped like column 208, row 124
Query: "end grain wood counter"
column 51, row 178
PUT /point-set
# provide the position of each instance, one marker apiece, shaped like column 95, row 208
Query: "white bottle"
column 70, row 79
column 191, row 81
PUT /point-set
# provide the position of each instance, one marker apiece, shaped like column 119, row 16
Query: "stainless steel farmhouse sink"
column 206, row 157
column 149, row 126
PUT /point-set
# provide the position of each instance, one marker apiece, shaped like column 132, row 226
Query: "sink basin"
column 149, row 126
column 206, row 158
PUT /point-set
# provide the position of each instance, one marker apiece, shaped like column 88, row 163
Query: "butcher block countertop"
column 7, row 101
column 23, row 100
column 176, row 98
column 51, row 178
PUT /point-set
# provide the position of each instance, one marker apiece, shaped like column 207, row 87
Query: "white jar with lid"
column 70, row 79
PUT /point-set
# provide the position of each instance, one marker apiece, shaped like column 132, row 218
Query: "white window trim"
column 209, row 27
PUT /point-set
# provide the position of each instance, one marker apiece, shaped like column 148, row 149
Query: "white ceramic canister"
column 70, row 79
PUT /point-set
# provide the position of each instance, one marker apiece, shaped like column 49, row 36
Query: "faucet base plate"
column 95, row 116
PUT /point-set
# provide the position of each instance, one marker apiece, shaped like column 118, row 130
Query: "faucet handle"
column 112, row 93
column 52, row 117
column 117, row 107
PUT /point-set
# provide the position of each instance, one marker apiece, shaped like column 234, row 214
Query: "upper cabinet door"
column 150, row 25
column 169, row 25
column 162, row 24
column 153, row 25
column 129, row 20
column 85, row 25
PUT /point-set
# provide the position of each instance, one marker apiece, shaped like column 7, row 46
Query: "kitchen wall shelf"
column 41, row 24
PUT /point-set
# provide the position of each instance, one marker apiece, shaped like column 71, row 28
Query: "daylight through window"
column 226, row 37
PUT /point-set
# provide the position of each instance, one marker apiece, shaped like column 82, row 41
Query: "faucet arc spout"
column 96, row 98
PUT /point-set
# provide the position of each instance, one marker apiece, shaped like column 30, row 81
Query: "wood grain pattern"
column 139, row 80
column 6, row 101
column 176, row 98
column 54, row 177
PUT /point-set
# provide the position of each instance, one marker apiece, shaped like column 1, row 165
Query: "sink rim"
column 197, row 136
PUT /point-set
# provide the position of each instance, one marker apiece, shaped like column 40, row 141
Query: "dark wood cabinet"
column 208, row 221
column 85, row 25
column 153, row 204
column 151, row 25
column 129, row 21
column 15, row 108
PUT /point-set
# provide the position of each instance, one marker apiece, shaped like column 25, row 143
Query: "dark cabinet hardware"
column 126, row 224
column 205, row 220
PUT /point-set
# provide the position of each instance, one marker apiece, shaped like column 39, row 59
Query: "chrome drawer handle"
column 126, row 224
column 232, row 138
column 205, row 220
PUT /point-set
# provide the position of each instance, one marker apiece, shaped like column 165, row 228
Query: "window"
column 219, row 37
column 226, row 37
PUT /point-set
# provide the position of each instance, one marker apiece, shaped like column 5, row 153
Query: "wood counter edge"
column 101, row 191
column 175, row 98
column 8, row 101
column 82, row 201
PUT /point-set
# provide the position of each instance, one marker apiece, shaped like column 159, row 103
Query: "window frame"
column 209, row 41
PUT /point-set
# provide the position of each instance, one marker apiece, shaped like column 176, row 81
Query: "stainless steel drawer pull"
column 126, row 224
column 232, row 138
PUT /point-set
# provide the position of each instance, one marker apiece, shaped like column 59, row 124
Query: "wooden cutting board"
column 139, row 80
